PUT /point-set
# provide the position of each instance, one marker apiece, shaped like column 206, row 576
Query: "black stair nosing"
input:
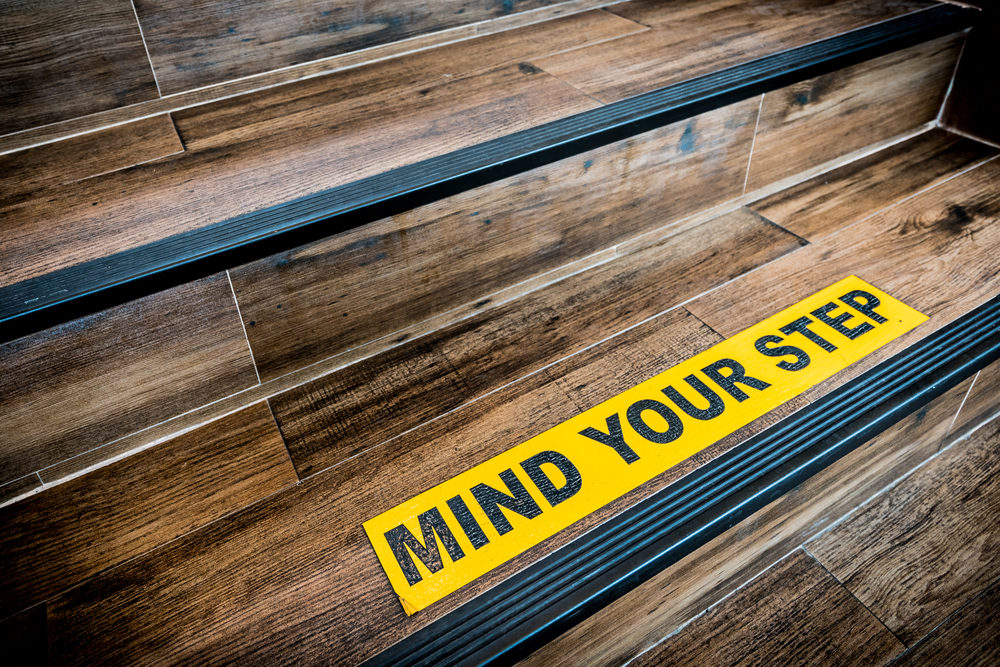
column 550, row 596
column 89, row 287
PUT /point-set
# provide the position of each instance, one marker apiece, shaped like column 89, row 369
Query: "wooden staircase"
column 297, row 283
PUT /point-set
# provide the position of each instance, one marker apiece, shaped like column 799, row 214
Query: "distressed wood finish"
column 661, row 605
column 936, row 252
column 794, row 612
column 197, row 44
column 313, row 302
column 266, row 148
column 968, row 638
column 64, row 59
column 71, row 388
column 808, row 123
column 344, row 413
column 56, row 539
column 694, row 37
column 843, row 196
column 294, row 578
column 33, row 172
column 926, row 547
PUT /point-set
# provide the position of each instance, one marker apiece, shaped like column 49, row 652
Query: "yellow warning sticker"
column 444, row 538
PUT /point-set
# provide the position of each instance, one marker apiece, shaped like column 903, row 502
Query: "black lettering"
column 715, row 403
column 533, row 466
column 468, row 522
column 801, row 326
column 737, row 376
column 614, row 438
column 837, row 322
column 402, row 542
column 674, row 425
column 801, row 358
column 519, row 501
column 871, row 302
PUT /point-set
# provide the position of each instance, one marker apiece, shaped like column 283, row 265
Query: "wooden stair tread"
column 293, row 575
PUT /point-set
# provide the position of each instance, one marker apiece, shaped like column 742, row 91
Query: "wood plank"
column 927, row 546
column 808, row 123
column 982, row 403
column 294, row 577
column 216, row 40
column 321, row 67
column 840, row 197
column 661, row 605
column 693, row 37
column 23, row 638
column 19, row 487
column 937, row 252
column 794, row 612
column 313, row 302
column 278, row 147
column 56, row 539
column 31, row 172
column 76, row 386
column 970, row 637
column 346, row 412
column 61, row 60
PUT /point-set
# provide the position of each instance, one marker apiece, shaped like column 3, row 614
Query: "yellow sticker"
column 444, row 538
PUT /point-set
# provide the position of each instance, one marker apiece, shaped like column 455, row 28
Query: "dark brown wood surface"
column 974, row 102
column 805, row 124
column 922, row 550
column 79, row 385
column 60, row 60
column 661, row 605
column 968, row 638
column 693, row 37
column 294, row 577
column 56, row 539
column 31, row 173
column 348, row 411
column 843, row 196
column 268, row 147
column 795, row 612
column 313, row 302
column 936, row 252
column 194, row 45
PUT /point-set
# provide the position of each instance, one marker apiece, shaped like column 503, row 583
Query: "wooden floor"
column 184, row 478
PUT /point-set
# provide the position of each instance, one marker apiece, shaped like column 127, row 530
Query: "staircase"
column 272, row 276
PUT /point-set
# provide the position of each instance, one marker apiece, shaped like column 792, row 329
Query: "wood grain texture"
column 174, row 102
column 19, row 487
column 263, row 149
column 197, row 44
column 76, row 386
column 693, row 37
column 838, row 198
column 346, row 412
column 926, row 547
column 31, row 173
column 56, row 539
column 641, row 618
column 23, row 638
column 294, row 578
column 818, row 119
column 62, row 59
column 313, row 302
column 969, row 638
column 982, row 403
column 794, row 612
column 937, row 252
